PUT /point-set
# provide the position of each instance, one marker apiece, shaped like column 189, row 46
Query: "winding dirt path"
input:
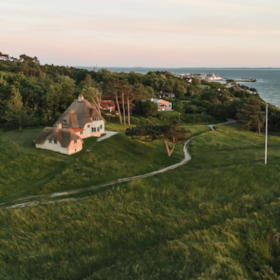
column 51, row 197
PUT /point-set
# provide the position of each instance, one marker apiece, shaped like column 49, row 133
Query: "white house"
column 163, row 105
column 80, row 120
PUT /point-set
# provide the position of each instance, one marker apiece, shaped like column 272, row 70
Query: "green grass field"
column 216, row 217
column 29, row 171
column 169, row 113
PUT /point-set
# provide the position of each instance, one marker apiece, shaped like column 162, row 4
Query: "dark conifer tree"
column 251, row 116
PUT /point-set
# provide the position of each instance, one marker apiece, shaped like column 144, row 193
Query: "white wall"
column 95, row 124
column 53, row 147
column 73, row 148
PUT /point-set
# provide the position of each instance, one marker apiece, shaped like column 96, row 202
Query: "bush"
column 150, row 108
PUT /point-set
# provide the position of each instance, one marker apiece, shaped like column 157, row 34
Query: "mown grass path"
column 55, row 197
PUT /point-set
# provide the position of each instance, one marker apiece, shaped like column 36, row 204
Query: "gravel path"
column 49, row 198
column 108, row 135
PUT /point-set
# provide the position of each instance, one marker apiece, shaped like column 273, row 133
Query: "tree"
column 167, row 88
column 194, row 108
column 180, row 91
column 4, row 56
column 179, row 107
column 110, row 88
column 196, row 81
column 250, row 115
column 150, row 108
column 124, row 87
column 88, row 81
column 94, row 95
column 139, row 92
column 173, row 132
column 16, row 112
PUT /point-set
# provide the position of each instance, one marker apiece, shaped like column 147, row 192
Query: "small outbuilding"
column 166, row 94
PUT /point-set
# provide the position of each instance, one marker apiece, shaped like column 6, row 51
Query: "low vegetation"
column 27, row 170
column 214, row 218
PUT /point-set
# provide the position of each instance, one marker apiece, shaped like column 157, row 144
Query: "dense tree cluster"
column 47, row 90
column 172, row 132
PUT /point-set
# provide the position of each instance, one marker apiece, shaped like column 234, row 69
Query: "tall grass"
column 205, row 220
column 35, row 171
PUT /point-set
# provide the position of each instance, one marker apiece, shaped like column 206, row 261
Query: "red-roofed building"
column 108, row 105
column 163, row 105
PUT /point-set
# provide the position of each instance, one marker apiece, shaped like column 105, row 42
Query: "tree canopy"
column 173, row 133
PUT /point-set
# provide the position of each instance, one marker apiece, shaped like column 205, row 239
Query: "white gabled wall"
column 94, row 124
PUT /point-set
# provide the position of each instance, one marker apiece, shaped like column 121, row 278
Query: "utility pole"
column 266, row 129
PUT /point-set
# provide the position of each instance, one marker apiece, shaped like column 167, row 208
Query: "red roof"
column 107, row 104
column 76, row 129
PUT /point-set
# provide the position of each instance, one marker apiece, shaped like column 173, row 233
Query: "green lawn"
column 40, row 171
column 216, row 217
column 169, row 113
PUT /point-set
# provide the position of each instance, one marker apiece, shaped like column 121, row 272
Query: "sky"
column 143, row 33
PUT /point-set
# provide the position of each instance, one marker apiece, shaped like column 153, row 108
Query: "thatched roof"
column 63, row 136
column 78, row 114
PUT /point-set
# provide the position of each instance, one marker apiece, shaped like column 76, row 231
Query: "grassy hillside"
column 215, row 218
column 27, row 170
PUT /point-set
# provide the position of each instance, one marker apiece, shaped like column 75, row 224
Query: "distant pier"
column 244, row 80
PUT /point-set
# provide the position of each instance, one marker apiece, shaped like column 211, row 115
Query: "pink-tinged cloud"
column 162, row 33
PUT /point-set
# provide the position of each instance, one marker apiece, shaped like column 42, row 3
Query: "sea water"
column 268, row 79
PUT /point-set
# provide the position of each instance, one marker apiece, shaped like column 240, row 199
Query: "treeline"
column 45, row 91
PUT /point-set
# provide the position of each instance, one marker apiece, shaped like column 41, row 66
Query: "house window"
column 88, row 125
column 101, row 126
column 50, row 141
column 64, row 122
column 81, row 132
column 55, row 141
column 75, row 141
column 93, row 129
column 97, row 129
column 96, row 119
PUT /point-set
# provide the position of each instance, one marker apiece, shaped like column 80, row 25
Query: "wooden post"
column 266, row 130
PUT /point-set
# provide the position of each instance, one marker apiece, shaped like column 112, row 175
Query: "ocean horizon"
column 267, row 84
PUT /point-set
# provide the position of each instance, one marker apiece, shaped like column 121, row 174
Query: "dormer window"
column 96, row 119
column 64, row 122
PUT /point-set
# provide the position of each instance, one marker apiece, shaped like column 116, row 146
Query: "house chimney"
column 160, row 92
column 80, row 98
column 59, row 125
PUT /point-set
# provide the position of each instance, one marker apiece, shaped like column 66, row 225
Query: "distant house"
column 163, row 105
column 108, row 105
column 166, row 94
column 79, row 121
column 188, row 80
